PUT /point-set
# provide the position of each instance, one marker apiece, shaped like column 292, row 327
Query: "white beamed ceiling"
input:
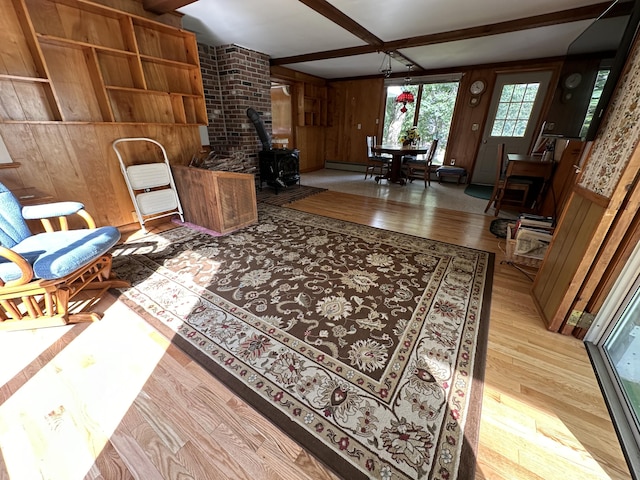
column 283, row 28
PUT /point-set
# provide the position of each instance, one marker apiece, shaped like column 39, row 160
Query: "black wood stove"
column 279, row 167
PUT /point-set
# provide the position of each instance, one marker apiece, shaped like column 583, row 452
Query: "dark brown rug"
column 286, row 195
column 364, row 345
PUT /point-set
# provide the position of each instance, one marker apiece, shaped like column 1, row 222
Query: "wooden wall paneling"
column 281, row 112
column 121, row 211
column 358, row 103
column 45, row 17
column 98, row 84
column 332, row 132
column 170, row 45
column 614, row 230
column 94, row 26
column 94, row 171
column 173, row 19
column 310, row 141
column 564, row 178
column 24, row 60
column 571, row 244
column 24, row 148
column 119, row 70
column 547, row 276
column 179, row 109
column 10, row 177
column 71, row 75
column 464, row 139
column 168, row 78
column 18, row 59
column 128, row 34
column 141, row 106
column 25, row 101
column 62, row 164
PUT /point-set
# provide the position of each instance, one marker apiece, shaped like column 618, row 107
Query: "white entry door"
column 513, row 114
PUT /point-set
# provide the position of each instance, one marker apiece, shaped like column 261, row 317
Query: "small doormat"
column 479, row 191
column 286, row 195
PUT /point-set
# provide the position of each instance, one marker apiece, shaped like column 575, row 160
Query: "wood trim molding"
column 164, row 6
column 330, row 12
column 592, row 196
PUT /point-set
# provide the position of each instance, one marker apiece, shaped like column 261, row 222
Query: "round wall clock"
column 477, row 87
column 573, row 80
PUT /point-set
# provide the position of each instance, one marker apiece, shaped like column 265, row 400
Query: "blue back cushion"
column 13, row 228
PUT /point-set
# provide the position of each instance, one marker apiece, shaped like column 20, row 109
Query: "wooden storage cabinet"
column 108, row 65
column 219, row 201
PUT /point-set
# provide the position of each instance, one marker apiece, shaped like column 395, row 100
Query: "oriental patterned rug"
column 364, row 345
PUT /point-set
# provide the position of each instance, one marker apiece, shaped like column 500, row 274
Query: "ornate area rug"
column 364, row 345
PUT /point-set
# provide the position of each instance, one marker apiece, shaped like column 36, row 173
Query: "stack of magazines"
column 533, row 235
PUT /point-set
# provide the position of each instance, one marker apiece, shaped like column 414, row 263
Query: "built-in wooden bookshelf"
column 78, row 61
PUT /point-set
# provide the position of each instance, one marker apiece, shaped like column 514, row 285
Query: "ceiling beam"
column 327, row 10
column 537, row 21
column 164, row 6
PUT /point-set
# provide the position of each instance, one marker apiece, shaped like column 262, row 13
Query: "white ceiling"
column 284, row 28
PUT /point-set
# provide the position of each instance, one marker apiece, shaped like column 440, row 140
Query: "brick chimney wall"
column 234, row 79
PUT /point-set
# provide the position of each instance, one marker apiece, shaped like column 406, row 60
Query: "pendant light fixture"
column 406, row 96
column 385, row 66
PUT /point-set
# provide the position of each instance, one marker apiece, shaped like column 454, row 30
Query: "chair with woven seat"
column 505, row 183
column 41, row 273
column 376, row 164
column 417, row 168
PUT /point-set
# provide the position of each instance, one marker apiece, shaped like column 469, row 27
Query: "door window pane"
column 514, row 109
column 622, row 348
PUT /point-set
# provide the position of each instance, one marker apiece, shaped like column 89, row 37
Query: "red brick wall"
column 234, row 79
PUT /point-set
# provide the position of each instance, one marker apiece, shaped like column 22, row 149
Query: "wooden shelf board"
column 151, row 92
column 92, row 7
column 148, row 23
column 19, row 78
column 9, row 165
column 67, row 42
column 165, row 61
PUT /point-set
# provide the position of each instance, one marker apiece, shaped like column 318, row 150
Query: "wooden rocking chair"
column 40, row 274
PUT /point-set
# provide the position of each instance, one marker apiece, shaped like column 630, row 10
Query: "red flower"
column 343, row 443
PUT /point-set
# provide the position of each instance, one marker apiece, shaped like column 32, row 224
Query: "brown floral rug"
column 365, row 345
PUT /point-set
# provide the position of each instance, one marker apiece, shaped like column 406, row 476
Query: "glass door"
column 613, row 343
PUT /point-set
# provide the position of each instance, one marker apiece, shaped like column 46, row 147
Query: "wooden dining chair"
column 504, row 183
column 421, row 168
column 376, row 164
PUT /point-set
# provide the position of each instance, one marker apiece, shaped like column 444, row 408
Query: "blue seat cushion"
column 56, row 254
column 447, row 170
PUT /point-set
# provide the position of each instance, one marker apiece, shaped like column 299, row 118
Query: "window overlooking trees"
column 601, row 79
column 432, row 112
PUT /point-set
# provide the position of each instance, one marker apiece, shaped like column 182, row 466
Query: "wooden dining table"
column 394, row 175
column 531, row 166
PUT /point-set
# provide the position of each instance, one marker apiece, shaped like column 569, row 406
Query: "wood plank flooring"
column 115, row 400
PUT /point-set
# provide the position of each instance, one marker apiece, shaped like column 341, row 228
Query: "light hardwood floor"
column 115, row 400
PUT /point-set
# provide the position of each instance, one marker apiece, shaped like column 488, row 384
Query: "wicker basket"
column 510, row 256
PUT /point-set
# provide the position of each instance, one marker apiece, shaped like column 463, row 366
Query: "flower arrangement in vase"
column 410, row 137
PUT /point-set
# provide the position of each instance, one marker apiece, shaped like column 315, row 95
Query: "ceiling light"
column 406, row 96
column 385, row 66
